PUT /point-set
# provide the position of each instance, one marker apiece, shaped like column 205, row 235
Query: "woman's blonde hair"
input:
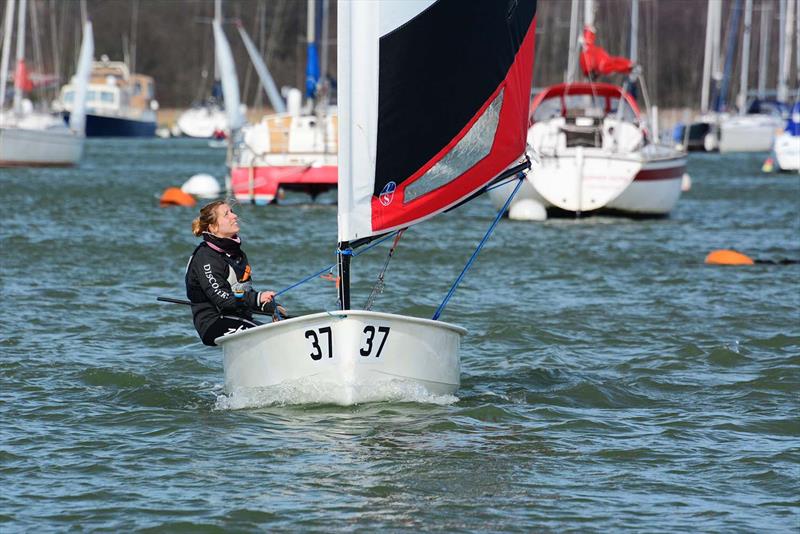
column 208, row 216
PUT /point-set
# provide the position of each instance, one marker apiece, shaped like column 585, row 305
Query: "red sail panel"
column 490, row 139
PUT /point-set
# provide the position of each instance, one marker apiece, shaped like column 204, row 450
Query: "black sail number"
column 369, row 341
column 312, row 336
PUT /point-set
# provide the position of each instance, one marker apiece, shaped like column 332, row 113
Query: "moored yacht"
column 595, row 154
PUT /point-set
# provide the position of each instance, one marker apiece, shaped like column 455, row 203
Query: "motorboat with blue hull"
column 103, row 126
column 118, row 102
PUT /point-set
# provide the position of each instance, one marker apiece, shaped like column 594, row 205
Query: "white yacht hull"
column 787, row 152
column 583, row 182
column 202, row 122
column 48, row 147
column 748, row 133
column 348, row 354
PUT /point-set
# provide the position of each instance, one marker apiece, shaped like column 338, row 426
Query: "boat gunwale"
column 339, row 314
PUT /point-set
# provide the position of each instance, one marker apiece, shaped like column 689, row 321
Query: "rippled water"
column 610, row 380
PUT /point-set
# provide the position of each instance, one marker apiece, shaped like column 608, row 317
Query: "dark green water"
column 611, row 381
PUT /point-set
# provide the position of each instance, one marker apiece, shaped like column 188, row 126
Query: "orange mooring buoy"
column 728, row 257
column 173, row 196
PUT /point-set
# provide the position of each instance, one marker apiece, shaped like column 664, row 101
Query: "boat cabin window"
column 137, row 88
column 582, row 105
column 627, row 112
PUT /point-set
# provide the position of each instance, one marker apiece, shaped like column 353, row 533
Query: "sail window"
column 472, row 148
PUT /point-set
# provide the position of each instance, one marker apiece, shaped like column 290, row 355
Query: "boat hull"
column 748, row 133
column 787, row 152
column 579, row 183
column 202, row 122
column 105, row 126
column 350, row 354
column 56, row 147
column 260, row 184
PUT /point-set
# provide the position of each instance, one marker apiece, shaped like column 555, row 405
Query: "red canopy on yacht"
column 599, row 90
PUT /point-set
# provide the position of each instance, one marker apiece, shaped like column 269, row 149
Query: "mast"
column 20, row 55
column 730, row 50
column 54, row 41
column 344, row 275
column 716, row 52
column 322, row 81
column 743, row 75
column 634, row 52
column 217, row 18
column 588, row 13
column 134, row 28
column 8, row 30
column 704, row 91
column 572, row 58
column 786, row 58
column 763, row 48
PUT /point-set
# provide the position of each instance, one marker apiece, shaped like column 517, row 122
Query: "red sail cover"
column 597, row 62
column 22, row 80
column 453, row 97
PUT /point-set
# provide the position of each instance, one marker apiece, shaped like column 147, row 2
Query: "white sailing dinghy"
column 433, row 102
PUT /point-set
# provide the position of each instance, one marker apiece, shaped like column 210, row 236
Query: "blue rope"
column 521, row 178
column 306, row 279
column 375, row 244
column 351, row 252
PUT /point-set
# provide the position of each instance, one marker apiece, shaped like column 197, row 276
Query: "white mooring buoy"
column 527, row 209
column 202, row 185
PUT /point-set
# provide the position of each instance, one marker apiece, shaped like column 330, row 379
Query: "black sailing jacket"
column 210, row 278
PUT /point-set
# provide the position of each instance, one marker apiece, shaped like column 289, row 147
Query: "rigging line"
column 306, row 279
column 330, row 267
column 521, row 178
column 379, row 285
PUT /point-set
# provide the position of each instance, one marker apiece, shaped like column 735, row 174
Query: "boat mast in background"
column 20, row 66
column 8, row 29
column 763, row 48
column 634, row 48
column 787, row 23
column 741, row 100
column 572, row 58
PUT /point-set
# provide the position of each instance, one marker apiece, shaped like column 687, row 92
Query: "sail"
column 230, row 83
column 595, row 61
column 77, row 119
column 433, row 104
column 263, row 72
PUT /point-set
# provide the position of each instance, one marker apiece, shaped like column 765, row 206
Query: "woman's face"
column 227, row 224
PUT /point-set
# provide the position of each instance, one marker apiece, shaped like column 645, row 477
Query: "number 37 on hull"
column 349, row 349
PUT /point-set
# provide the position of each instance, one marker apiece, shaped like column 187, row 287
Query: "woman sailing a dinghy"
column 218, row 281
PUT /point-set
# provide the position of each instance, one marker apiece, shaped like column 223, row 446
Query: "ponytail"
column 208, row 216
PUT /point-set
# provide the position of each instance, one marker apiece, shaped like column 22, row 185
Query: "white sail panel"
column 360, row 26
column 357, row 58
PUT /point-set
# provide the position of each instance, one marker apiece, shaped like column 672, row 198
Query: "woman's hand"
column 266, row 296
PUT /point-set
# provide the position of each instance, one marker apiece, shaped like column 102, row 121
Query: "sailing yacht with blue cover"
column 433, row 107
column 787, row 144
